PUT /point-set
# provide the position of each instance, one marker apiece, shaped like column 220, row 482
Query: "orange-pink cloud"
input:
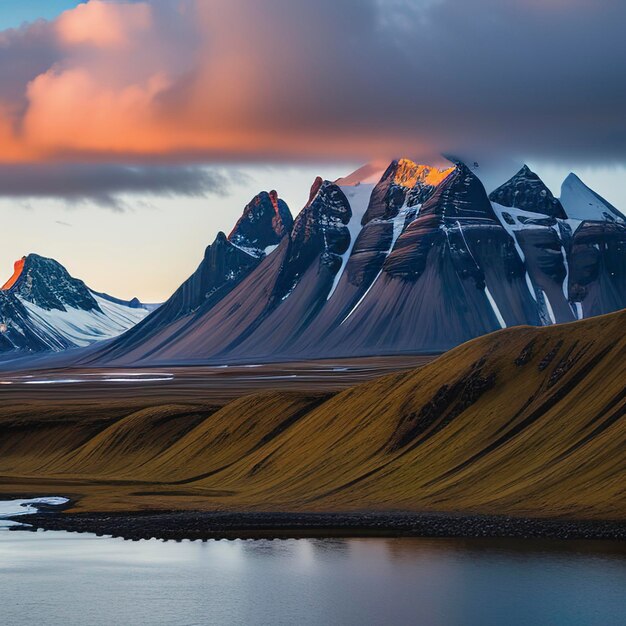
column 72, row 110
column 99, row 23
column 243, row 79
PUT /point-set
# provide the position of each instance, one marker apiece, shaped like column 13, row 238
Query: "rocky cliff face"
column 528, row 192
column 265, row 221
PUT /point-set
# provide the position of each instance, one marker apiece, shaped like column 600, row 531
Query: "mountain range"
column 407, row 259
column 411, row 259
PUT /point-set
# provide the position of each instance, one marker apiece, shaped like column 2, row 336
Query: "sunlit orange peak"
column 18, row 268
column 409, row 174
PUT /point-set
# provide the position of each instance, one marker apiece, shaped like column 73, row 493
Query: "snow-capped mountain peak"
column 582, row 203
column 43, row 307
column 47, row 284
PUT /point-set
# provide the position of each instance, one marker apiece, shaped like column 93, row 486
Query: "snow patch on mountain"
column 359, row 197
column 514, row 220
column 81, row 328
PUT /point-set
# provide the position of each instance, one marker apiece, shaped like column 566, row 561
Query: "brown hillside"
column 526, row 422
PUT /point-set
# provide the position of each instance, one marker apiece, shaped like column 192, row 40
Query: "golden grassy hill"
column 526, row 421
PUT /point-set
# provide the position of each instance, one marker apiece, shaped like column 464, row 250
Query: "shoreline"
column 202, row 525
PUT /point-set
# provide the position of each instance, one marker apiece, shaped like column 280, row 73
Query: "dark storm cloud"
column 105, row 184
column 285, row 80
column 537, row 77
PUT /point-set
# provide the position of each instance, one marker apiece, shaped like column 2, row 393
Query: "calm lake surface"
column 57, row 578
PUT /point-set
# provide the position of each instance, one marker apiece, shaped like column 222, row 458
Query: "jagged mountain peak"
column 315, row 189
column 460, row 195
column 320, row 228
column 404, row 183
column 582, row 203
column 265, row 221
column 45, row 283
column 409, row 174
column 526, row 191
column 327, row 208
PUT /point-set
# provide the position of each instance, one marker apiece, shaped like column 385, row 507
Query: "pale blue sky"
column 15, row 12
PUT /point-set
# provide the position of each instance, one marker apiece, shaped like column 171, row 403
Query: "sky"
column 132, row 131
column 14, row 13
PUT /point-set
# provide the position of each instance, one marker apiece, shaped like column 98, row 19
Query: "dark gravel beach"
column 192, row 525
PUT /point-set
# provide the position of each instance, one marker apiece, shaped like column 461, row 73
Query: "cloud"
column 96, row 24
column 192, row 81
column 108, row 184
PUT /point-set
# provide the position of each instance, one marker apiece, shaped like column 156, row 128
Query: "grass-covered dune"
column 524, row 422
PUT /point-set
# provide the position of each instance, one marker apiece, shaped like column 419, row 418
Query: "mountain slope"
column 526, row 421
column 44, row 308
column 265, row 221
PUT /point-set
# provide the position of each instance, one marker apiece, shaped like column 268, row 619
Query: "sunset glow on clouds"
column 199, row 80
column 172, row 114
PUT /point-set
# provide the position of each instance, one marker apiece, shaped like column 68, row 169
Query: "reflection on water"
column 59, row 578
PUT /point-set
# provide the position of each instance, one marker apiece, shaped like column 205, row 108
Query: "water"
column 59, row 578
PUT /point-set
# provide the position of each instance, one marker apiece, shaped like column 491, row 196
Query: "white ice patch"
column 253, row 252
column 579, row 310
column 495, row 308
column 359, row 199
column 88, row 378
column 549, row 308
column 513, row 228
